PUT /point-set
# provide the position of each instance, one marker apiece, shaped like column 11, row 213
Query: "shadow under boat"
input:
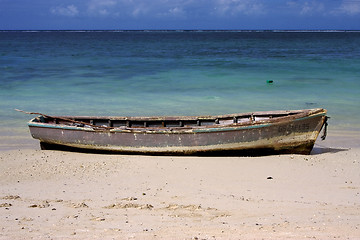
column 321, row 150
column 229, row 153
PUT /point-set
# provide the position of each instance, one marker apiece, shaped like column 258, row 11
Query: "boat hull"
column 296, row 135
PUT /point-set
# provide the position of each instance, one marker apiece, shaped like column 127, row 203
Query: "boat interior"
column 165, row 122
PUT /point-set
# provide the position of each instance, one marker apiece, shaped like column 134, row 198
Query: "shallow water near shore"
column 176, row 73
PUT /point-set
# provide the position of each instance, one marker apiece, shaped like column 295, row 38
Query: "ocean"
column 135, row 73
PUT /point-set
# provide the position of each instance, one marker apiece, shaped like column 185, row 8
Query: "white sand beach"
column 67, row 195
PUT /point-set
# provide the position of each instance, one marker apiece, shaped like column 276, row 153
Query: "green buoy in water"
column 269, row 81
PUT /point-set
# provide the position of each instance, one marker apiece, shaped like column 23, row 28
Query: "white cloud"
column 70, row 11
column 174, row 8
column 234, row 7
column 159, row 8
column 103, row 12
column 139, row 10
column 311, row 7
column 186, row 9
column 101, row 7
column 176, row 11
column 306, row 7
column 170, row 11
column 349, row 7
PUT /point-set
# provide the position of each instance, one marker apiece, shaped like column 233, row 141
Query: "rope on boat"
column 325, row 128
column 65, row 119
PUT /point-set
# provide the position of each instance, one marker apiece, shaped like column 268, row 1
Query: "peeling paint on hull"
column 293, row 134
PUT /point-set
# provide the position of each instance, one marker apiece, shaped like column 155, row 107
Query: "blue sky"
column 179, row 14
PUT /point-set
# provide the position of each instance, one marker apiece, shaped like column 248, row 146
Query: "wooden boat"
column 255, row 133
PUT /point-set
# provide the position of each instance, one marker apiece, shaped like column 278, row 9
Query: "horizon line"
column 179, row 30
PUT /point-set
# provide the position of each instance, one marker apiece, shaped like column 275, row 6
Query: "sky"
column 179, row 14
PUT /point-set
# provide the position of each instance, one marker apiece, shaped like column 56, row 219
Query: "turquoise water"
column 176, row 73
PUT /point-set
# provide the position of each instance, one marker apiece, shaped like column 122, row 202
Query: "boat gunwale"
column 293, row 115
column 286, row 113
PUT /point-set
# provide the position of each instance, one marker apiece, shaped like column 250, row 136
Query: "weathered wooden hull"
column 292, row 134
